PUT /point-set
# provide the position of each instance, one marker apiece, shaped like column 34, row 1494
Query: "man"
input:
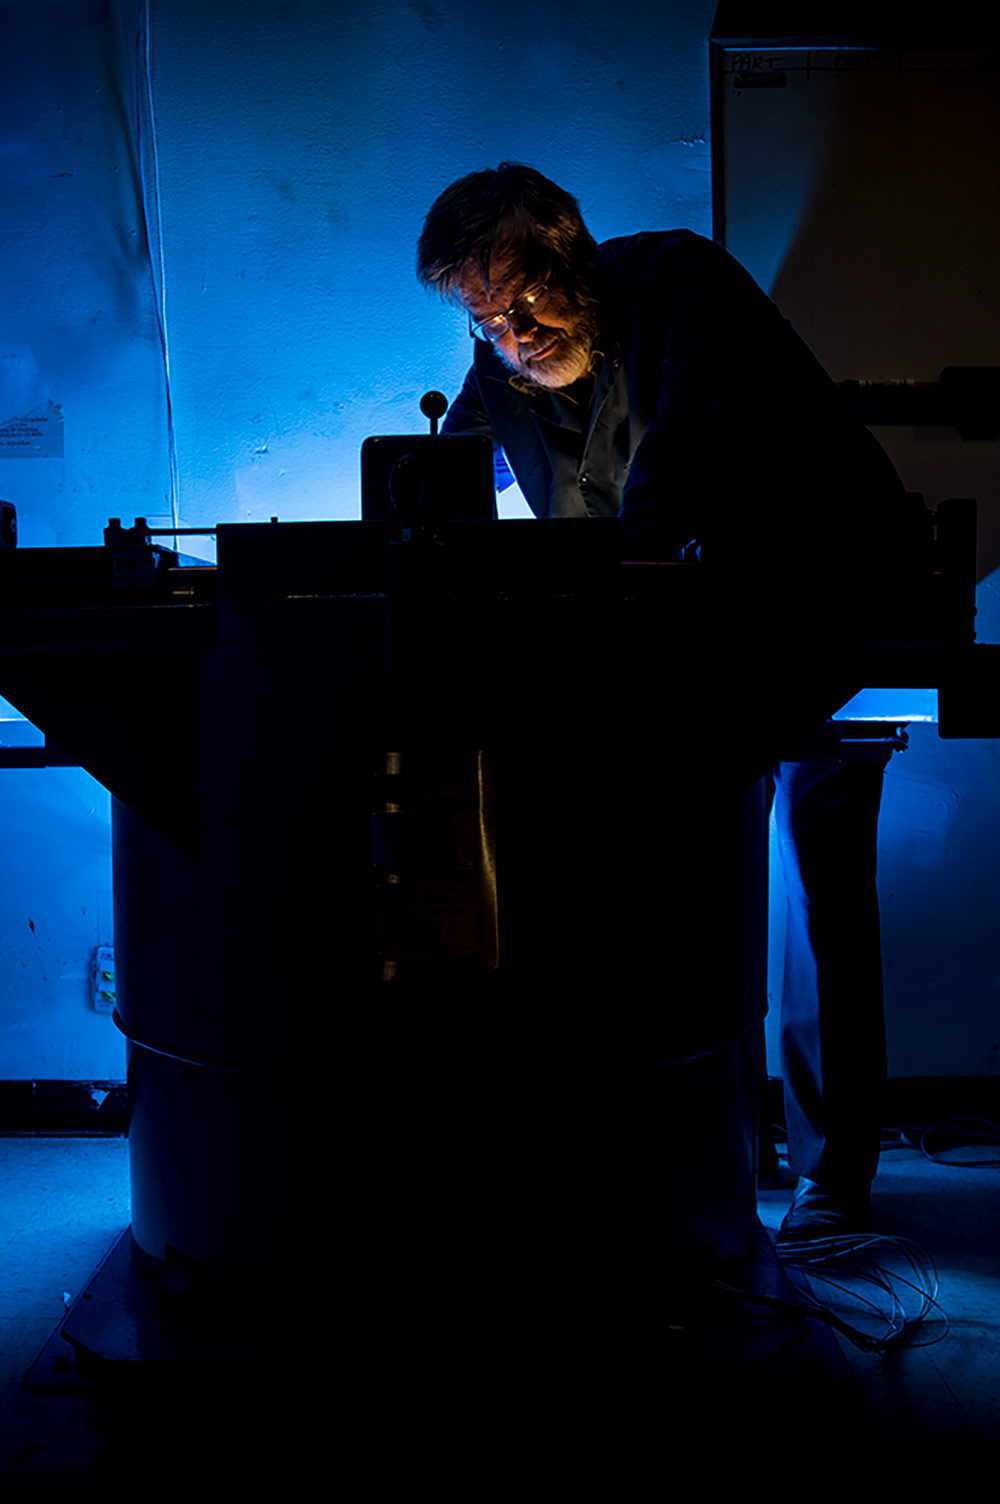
column 650, row 379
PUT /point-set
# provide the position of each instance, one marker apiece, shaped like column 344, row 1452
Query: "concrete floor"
column 946, row 1392
column 66, row 1199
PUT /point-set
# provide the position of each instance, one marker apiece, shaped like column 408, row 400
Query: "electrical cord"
column 849, row 1265
column 833, row 1261
column 821, row 1313
column 989, row 1134
column 845, row 1263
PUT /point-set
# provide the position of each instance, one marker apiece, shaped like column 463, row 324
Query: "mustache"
column 551, row 341
column 562, row 341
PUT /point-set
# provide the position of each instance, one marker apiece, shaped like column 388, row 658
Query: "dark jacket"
column 712, row 425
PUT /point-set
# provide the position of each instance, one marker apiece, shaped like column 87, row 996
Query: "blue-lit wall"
column 230, row 192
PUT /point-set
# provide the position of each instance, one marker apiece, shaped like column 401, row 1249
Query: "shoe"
column 819, row 1212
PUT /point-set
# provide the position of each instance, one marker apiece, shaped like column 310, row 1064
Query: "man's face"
column 549, row 347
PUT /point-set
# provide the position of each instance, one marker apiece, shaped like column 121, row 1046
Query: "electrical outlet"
column 105, row 988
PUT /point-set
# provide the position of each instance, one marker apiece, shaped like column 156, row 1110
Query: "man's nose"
column 522, row 325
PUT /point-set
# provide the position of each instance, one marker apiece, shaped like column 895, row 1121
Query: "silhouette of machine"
column 439, row 905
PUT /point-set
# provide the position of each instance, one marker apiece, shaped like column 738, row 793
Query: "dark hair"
column 507, row 214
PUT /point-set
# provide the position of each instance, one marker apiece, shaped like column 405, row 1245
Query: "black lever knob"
column 434, row 405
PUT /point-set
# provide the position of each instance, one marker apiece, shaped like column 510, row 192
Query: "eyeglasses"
column 524, row 309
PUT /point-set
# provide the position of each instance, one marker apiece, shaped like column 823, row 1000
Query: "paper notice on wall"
column 36, row 436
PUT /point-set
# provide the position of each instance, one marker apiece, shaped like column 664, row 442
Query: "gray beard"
column 566, row 364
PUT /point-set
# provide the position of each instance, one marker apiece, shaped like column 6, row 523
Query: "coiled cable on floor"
column 893, row 1278
column 844, row 1264
column 957, row 1131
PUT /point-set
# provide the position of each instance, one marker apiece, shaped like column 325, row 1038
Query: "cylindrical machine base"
column 521, row 1193
column 571, row 1103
